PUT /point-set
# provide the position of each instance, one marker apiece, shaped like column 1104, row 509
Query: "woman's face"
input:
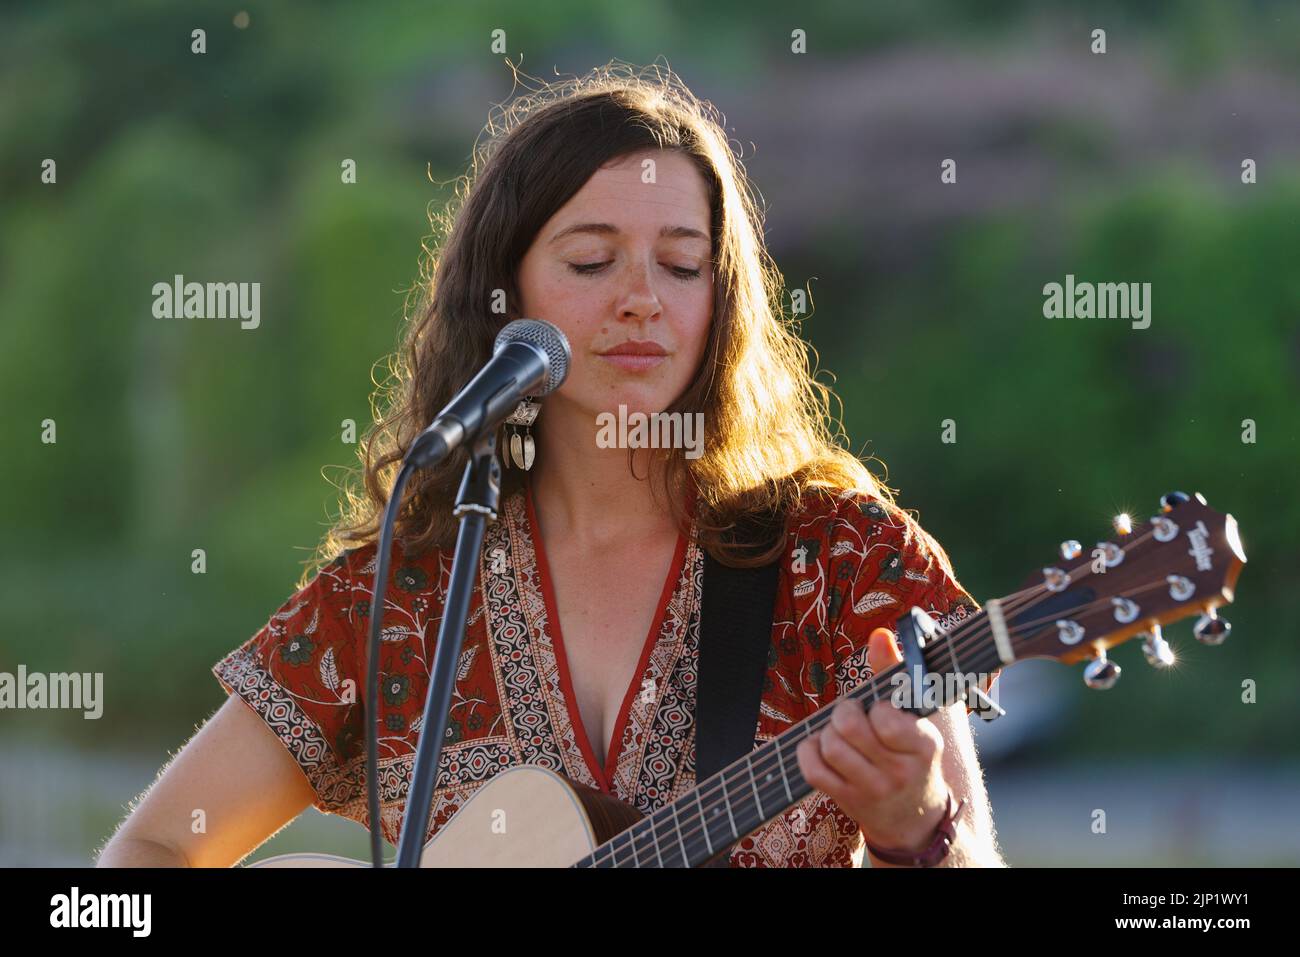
column 627, row 260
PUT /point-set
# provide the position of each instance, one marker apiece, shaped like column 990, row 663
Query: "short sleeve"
column 887, row 564
column 300, row 674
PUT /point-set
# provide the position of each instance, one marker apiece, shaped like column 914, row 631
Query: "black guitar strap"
column 735, row 640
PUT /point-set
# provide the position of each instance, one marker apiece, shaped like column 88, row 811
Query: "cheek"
column 563, row 301
column 698, row 313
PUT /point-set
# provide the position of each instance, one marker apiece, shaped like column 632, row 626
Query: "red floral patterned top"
column 853, row 564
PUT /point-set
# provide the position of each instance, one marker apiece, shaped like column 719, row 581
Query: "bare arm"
column 976, row 844
column 238, row 774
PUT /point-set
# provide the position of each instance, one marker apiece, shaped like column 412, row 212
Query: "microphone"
column 530, row 358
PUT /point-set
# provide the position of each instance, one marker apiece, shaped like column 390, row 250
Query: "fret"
column 704, row 823
column 758, row 802
column 655, row 837
column 639, row 832
column 773, row 783
column 686, row 858
column 660, row 825
column 715, row 793
column 726, row 802
column 631, row 845
column 780, row 763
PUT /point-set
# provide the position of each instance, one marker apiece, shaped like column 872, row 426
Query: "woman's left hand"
column 884, row 766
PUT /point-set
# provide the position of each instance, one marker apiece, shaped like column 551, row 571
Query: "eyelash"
column 590, row 269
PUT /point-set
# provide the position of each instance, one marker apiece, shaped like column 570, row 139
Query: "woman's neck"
column 588, row 494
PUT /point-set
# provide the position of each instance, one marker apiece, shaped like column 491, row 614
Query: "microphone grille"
column 546, row 337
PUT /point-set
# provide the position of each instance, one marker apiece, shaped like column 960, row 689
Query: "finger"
column 857, row 771
column 815, row 770
column 849, row 718
column 882, row 651
column 903, row 732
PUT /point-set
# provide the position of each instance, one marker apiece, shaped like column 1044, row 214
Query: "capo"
column 916, row 630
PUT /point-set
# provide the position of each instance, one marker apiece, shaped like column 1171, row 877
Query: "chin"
column 636, row 402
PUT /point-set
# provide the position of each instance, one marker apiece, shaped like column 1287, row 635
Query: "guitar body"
column 526, row 816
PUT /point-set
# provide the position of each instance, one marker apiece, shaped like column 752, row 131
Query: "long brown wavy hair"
column 771, row 437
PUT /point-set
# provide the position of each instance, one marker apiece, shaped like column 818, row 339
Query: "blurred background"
column 926, row 305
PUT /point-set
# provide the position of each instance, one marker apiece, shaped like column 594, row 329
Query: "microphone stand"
column 476, row 505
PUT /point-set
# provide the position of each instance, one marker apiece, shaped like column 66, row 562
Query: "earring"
column 522, row 449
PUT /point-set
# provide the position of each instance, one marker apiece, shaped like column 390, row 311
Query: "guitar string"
column 963, row 636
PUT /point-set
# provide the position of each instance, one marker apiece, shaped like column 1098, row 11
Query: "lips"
column 637, row 348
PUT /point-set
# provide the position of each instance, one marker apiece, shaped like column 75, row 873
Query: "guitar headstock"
column 1183, row 561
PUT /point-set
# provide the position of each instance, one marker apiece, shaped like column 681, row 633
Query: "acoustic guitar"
column 1183, row 561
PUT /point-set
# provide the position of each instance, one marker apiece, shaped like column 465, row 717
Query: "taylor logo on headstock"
column 1200, row 549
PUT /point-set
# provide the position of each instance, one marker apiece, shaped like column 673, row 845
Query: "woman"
column 613, row 207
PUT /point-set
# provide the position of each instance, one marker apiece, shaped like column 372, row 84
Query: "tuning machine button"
column 1111, row 553
column 1126, row 610
column 1171, row 500
column 1055, row 579
column 1122, row 523
column 1210, row 629
column 1101, row 673
column 1157, row 650
column 1163, row 529
column 1070, row 550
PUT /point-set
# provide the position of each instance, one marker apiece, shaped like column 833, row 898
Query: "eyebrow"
column 609, row 229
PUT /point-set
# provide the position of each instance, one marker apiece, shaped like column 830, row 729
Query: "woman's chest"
column 607, row 617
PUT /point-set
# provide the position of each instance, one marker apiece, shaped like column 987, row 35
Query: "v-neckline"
column 604, row 776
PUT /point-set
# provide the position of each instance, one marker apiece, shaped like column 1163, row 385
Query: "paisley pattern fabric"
column 853, row 563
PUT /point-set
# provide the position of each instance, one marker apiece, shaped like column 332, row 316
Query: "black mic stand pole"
column 476, row 505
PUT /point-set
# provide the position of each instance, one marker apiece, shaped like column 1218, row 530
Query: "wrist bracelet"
column 944, row 835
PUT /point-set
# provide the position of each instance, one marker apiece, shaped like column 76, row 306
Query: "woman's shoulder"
column 846, row 514
column 409, row 568
column 874, row 548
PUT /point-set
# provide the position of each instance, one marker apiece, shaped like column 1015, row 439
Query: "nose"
column 639, row 303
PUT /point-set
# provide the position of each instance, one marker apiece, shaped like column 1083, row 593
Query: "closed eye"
column 587, row 269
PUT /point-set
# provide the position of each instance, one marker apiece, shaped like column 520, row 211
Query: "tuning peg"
column 1157, row 650
column 1122, row 523
column 1101, row 673
column 1071, row 550
column 1171, row 500
column 1210, row 629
